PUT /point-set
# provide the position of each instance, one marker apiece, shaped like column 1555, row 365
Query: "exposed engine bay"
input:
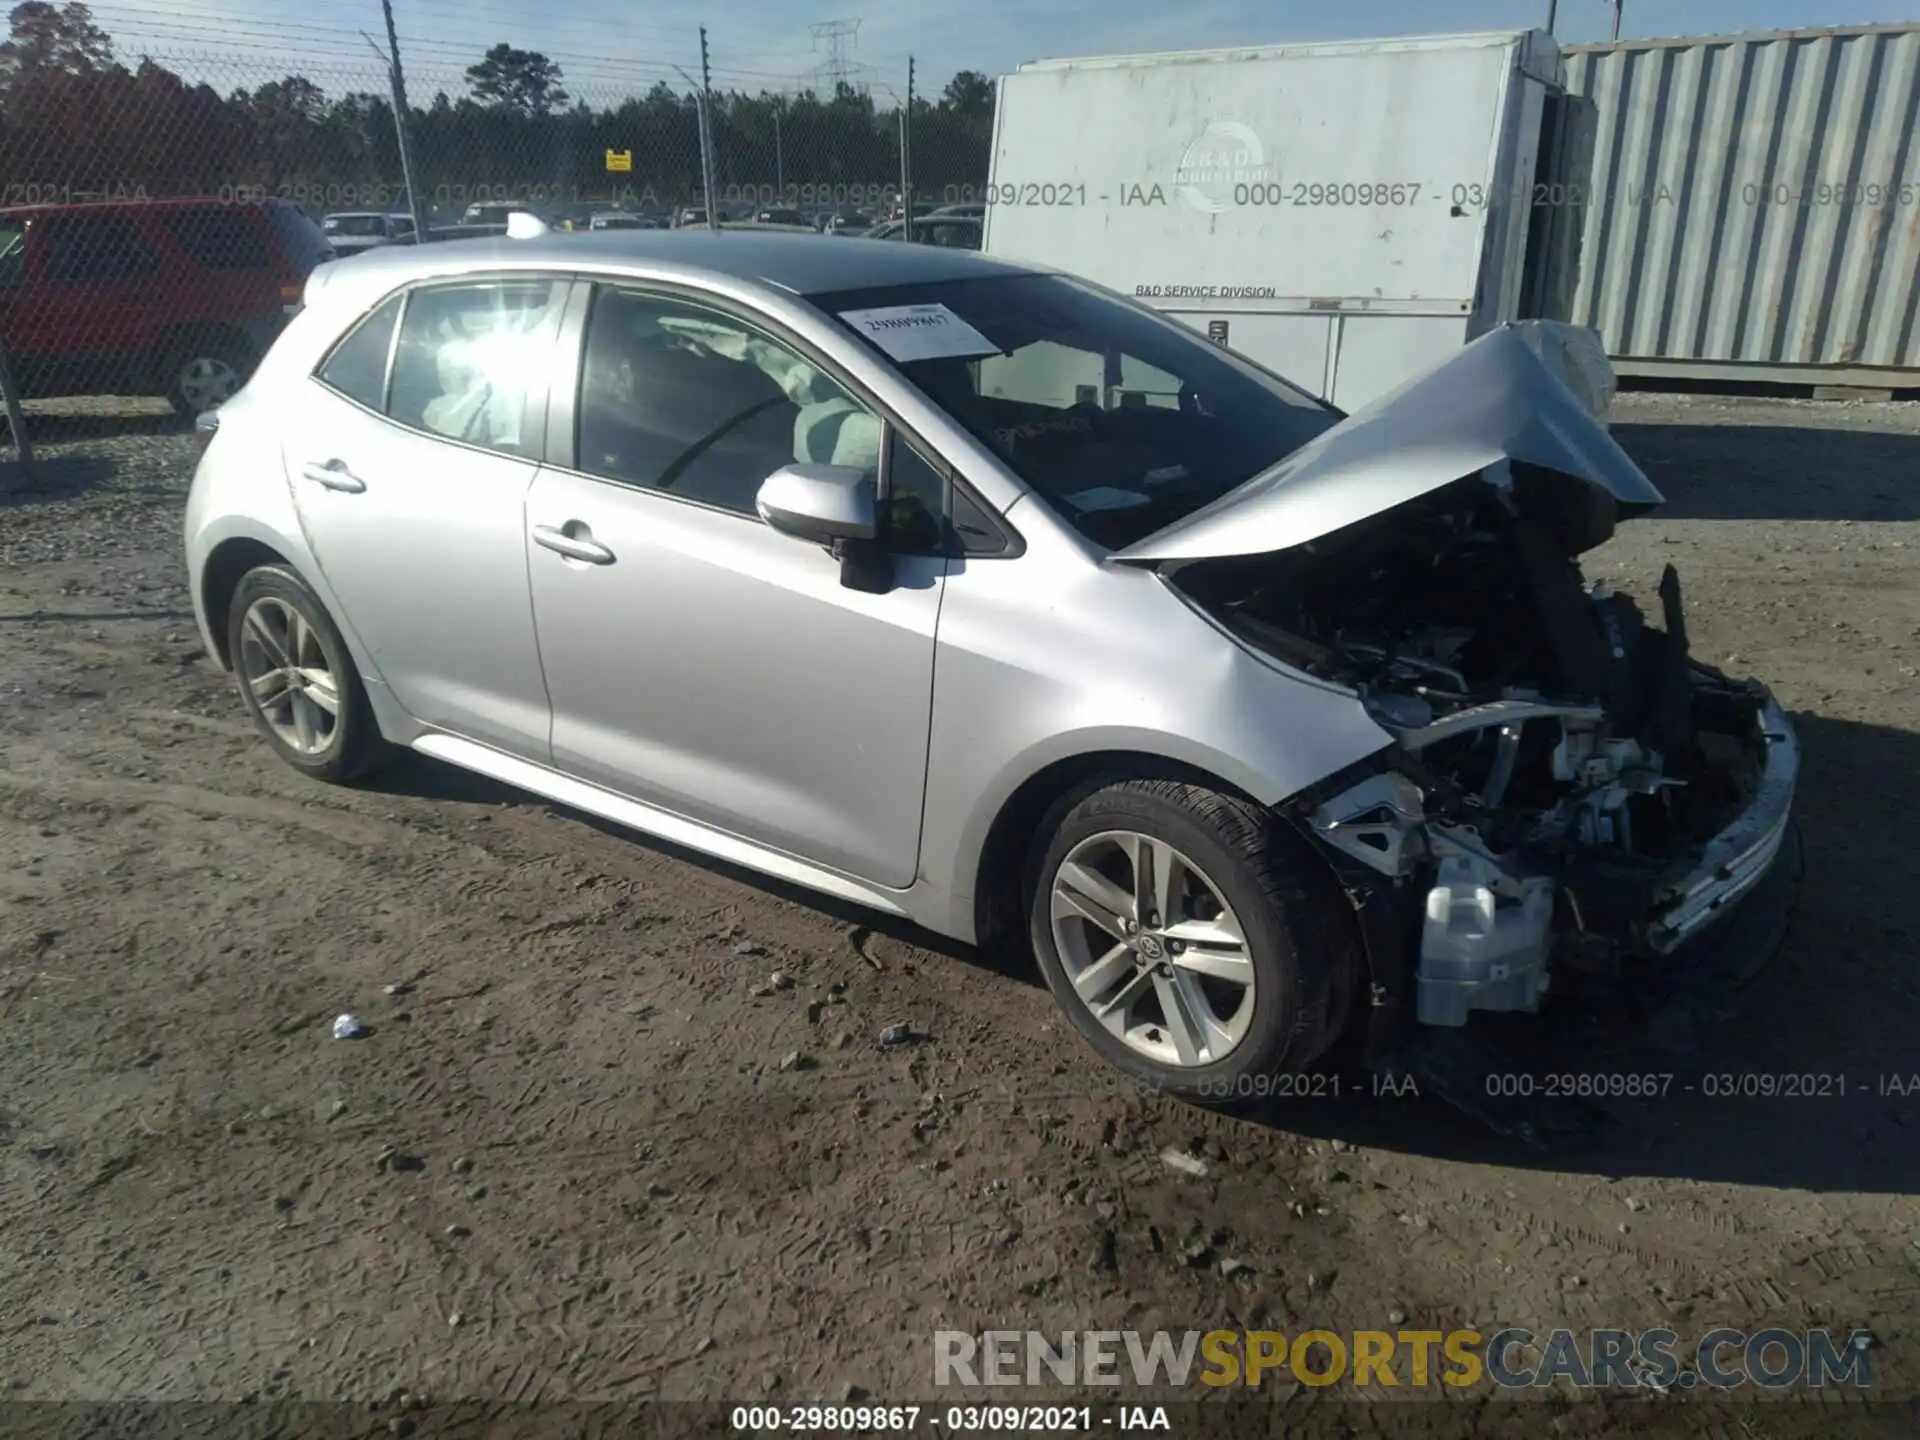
column 1569, row 790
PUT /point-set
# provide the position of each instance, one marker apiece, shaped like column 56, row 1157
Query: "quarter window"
column 692, row 402
column 357, row 368
column 472, row 358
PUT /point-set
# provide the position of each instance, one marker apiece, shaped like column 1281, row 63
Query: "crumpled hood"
column 1495, row 400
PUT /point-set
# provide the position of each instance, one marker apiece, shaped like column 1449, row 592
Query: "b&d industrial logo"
column 1225, row 154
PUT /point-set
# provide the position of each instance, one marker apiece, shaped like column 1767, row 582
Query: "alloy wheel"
column 287, row 674
column 1152, row 949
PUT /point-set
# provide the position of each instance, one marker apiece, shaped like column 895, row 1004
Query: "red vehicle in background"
column 156, row 297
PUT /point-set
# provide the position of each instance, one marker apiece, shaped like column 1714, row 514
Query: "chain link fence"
column 159, row 214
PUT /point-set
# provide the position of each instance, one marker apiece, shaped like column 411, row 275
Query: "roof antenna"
column 523, row 226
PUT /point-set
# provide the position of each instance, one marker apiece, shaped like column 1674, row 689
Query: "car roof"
column 799, row 262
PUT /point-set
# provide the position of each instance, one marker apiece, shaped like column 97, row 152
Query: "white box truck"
column 1346, row 214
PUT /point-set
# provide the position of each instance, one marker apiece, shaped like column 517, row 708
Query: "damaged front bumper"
column 1738, row 858
column 1482, row 929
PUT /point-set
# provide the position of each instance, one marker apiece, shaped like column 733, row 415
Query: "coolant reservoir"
column 1478, row 953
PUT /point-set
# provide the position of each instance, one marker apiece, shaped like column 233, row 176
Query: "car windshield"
column 1121, row 421
column 355, row 225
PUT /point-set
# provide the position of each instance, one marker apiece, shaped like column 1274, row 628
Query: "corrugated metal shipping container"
column 1755, row 205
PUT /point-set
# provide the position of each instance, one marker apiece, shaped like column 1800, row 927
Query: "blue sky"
column 607, row 45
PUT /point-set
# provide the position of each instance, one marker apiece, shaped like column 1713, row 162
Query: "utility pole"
column 706, row 135
column 1553, row 10
column 906, row 156
column 399, row 85
column 1616, row 20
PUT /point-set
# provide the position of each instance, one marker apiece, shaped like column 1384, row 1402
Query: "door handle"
column 335, row 475
column 581, row 547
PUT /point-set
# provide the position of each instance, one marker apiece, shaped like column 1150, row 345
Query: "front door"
column 412, row 489
column 86, row 314
column 697, row 660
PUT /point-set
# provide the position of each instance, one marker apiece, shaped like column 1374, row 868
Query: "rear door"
column 230, row 271
column 410, row 457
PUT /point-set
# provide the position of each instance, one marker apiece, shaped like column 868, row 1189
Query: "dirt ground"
column 577, row 1157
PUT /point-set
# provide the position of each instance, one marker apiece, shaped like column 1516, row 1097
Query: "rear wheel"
column 205, row 371
column 297, row 679
column 1196, row 943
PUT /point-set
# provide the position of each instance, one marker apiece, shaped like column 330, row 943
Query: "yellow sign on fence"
column 620, row 161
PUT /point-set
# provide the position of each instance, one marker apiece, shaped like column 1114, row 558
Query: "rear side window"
column 306, row 245
column 357, row 368
column 219, row 239
column 95, row 249
column 473, row 358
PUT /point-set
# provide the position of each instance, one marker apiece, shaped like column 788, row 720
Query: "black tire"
column 355, row 746
column 1301, row 936
column 198, row 348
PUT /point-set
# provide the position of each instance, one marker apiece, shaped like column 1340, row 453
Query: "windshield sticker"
column 1105, row 497
column 920, row 332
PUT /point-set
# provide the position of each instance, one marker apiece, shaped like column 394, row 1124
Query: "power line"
column 170, row 25
column 839, row 68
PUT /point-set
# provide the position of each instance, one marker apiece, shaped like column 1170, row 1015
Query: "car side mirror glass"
column 824, row 504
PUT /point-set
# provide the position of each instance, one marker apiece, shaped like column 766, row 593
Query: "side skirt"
column 650, row 820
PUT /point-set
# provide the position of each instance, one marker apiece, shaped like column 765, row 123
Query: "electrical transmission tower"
column 839, row 38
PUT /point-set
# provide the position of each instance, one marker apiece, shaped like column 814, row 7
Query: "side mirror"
column 834, row 506
column 821, row 503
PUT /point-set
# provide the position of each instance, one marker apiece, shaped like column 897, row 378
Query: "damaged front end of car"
column 1569, row 794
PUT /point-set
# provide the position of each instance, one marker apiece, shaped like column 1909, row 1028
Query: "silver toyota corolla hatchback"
column 983, row 596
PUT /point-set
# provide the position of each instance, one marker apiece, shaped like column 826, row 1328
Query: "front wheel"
column 1195, row 942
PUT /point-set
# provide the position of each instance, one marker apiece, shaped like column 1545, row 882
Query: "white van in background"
column 1346, row 214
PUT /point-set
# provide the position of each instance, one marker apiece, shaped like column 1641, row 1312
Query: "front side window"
column 913, row 511
column 692, row 402
column 473, row 358
column 1120, row 421
column 13, row 251
column 96, row 249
